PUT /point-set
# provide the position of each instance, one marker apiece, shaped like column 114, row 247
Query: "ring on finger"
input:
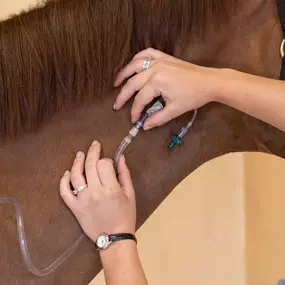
column 146, row 64
column 81, row 188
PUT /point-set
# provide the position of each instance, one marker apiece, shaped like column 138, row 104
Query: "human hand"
column 182, row 85
column 107, row 204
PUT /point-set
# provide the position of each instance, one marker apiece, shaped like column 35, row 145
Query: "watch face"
column 102, row 241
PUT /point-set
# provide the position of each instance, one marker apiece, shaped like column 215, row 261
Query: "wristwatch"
column 105, row 240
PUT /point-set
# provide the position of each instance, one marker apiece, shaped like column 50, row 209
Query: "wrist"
column 118, row 251
column 224, row 85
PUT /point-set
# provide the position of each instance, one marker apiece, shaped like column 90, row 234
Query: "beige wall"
column 200, row 229
column 223, row 225
column 8, row 7
column 265, row 219
column 231, row 216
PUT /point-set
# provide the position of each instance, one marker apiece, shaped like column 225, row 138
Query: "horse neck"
column 152, row 165
column 251, row 44
column 31, row 166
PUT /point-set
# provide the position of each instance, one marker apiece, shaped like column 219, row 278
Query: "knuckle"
column 156, row 78
column 83, row 203
column 95, row 196
column 130, row 83
column 150, row 49
column 105, row 162
column 76, row 165
column 74, row 176
column 156, row 122
column 160, row 64
column 89, row 162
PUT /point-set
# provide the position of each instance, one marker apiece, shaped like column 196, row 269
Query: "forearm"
column 121, row 264
column 259, row 97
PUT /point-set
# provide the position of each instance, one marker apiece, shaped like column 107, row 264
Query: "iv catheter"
column 135, row 130
column 139, row 124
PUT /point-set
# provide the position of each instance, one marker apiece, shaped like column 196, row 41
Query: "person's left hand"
column 182, row 85
column 107, row 204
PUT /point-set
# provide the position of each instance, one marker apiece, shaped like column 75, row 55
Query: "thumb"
column 124, row 177
column 160, row 118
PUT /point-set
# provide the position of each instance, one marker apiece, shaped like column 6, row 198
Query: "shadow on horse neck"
column 58, row 64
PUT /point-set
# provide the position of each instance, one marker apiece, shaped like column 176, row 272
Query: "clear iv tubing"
column 157, row 106
column 190, row 124
column 24, row 246
column 126, row 141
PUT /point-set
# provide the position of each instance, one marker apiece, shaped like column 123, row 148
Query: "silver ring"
column 146, row 64
column 282, row 48
column 81, row 188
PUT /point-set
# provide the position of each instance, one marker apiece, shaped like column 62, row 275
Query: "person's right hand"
column 183, row 86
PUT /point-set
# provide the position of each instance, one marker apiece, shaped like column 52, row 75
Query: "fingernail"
column 147, row 127
column 79, row 153
column 95, row 143
column 114, row 106
column 66, row 172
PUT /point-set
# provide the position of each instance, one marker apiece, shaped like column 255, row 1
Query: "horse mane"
column 68, row 51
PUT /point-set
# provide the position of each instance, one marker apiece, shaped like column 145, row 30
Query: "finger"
column 133, row 85
column 107, row 174
column 124, row 177
column 160, row 118
column 135, row 66
column 77, row 169
column 144, row 97
column 92, row 158
column 150, row 53
column 65, row 191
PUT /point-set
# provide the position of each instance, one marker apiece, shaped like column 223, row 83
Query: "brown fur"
column 54, row 58
column 70, row 51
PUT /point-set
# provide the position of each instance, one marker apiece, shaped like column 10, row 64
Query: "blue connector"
column 175, row 140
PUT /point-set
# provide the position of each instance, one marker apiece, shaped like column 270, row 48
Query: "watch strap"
column 122, row 236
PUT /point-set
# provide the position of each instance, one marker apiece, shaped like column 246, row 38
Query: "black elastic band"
column 118, row 237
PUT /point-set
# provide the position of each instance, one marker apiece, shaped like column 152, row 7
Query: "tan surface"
column 200, row 228
column 14, row 6
column 227, row 221
column 265, row 219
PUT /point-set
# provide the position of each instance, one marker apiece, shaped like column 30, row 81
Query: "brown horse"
column 57, row 66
